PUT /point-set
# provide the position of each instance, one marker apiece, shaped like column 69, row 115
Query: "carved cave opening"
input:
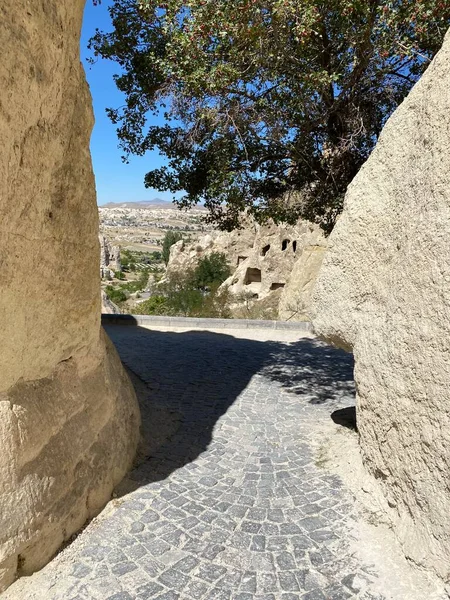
column 252, row 276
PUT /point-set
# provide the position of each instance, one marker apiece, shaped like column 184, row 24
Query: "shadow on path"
column 192, row 378
column 312, row 369
column 345, row 417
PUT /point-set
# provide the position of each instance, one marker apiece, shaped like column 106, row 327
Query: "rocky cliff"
column 68, row 415
column 274, row 266
column 384, row 291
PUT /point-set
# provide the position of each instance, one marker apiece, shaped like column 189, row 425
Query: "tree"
column 194, row 292
column 269, row 105
column 182, row 298
column 116, row 296
column 211, row 271
column 170, row 238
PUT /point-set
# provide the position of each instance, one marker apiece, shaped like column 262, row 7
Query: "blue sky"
column 116, row 181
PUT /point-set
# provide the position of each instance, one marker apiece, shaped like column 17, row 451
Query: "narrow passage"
column 229, row 499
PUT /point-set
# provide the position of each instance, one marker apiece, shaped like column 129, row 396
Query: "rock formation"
column 108, row 306
column 296, row 299
column 109, row 258
column 235, row 245
column 68, row 415
column 384, row 291
column 275, row 266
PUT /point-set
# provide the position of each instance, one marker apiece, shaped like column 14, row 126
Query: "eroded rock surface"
column 109, row 258
column 68, row 415
column 274, row 267
column 384, row 291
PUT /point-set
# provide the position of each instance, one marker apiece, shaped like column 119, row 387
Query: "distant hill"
column 150, row 204
column 155, row 203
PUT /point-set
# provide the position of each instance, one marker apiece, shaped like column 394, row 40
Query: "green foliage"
column 216, row 304
column 156, row 305
column 181, row 297
column 121, row 291
column 132, row 260
column 170, row 238
column 119, row 275
column 271, row 105
column 138, row 285
column 116, row 296
column 193, row 293
column 211, row 270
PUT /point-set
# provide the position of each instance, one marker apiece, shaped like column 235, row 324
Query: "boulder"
column 69, row 421
column 384, row 292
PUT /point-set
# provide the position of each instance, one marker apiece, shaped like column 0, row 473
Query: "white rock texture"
column 384, row 291
column 109, row 258
column 296, row 298
column 68, row 415
column 274, row 266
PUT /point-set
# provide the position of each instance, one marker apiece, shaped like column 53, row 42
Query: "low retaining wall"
column 189, row 322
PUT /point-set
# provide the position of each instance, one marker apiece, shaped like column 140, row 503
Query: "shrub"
column 156, row 305
column 116, row 296
column 193, row 293
column 170, row 238
column 211, row 271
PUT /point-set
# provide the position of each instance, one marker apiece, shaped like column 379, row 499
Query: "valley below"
column 158, row 260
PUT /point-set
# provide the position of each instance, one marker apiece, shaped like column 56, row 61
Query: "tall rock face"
column 264, row 275
column 68, row 415
column 384, row 291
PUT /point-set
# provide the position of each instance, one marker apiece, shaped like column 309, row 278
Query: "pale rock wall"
column 109, row 258
column 296, row 300
column 235, row 244
column 68, row 415
column 384, row 291
column 274, row 266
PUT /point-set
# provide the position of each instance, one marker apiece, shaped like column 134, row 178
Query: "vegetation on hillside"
column 270, row 105
column 121, row 292
column 194, row 293
column 136, row 260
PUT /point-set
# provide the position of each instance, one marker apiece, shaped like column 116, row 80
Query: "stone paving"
column 234, row 505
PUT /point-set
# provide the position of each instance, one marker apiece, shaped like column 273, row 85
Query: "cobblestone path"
column 234, row 505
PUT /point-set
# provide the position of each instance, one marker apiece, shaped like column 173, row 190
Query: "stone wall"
column 68, row 415
column 384, row 291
